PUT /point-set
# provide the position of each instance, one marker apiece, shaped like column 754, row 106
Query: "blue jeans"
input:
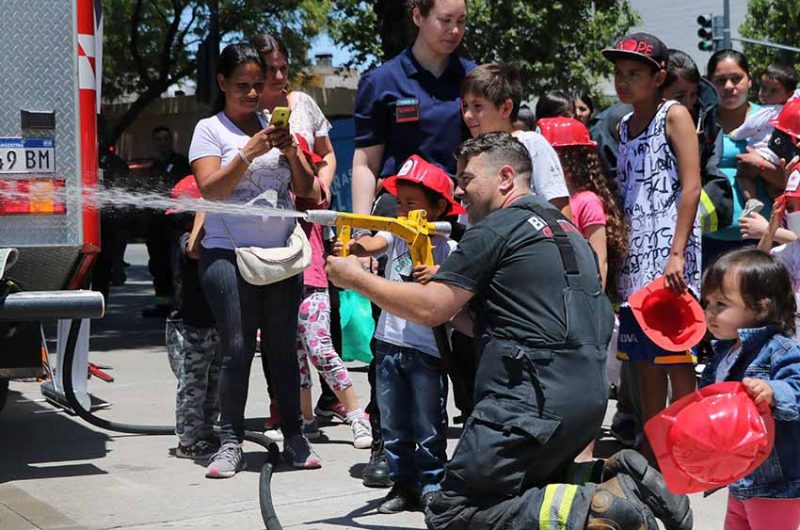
column 412, row 398
column 239, row 310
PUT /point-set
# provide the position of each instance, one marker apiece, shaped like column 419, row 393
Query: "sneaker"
column 299, row 454
column 311, row 429
column 623, row 429
column 226, row 462
column 362, row 433
column 333, row 410
column 197, row 450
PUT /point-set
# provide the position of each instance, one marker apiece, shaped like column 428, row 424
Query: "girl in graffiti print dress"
column 658, row 173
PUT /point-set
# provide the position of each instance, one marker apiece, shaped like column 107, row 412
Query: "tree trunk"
column 395, row 27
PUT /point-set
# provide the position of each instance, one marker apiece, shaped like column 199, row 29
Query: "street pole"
column 726, row 30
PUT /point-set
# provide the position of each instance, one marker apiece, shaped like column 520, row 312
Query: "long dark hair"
column 583, row 171
column 232, row 57
column 764, row 283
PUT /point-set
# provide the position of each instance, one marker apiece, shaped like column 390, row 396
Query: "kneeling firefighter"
column 542, row 324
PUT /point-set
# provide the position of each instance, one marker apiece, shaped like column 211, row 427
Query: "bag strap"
column 251, row 202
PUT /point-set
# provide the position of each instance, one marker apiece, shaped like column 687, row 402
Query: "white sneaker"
column 274, row 433
column 362, row 433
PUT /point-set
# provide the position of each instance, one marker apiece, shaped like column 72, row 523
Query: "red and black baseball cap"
column 642, row 47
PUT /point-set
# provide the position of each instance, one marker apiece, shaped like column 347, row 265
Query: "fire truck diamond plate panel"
column 38, row 61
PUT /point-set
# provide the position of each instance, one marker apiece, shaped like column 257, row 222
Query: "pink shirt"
column 587, row 210
column 314, row 275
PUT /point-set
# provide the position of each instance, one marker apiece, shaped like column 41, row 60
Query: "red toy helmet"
column 563, row 132
column 674, row 322
column 186, row 188
column 788, row 120
column 710, row 438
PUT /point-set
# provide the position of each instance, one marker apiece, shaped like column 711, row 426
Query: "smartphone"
column 783, row 145
column 280, row 117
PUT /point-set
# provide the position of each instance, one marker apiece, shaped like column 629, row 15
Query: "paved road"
column 59, row 473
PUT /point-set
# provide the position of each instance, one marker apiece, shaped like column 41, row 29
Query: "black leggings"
column 239, row 310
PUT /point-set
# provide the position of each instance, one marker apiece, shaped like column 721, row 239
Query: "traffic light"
column 705, row 33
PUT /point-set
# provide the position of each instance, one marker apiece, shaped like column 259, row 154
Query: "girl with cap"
column 593, row 199
column 658, row 174
column 750, row 309
column 412, row 387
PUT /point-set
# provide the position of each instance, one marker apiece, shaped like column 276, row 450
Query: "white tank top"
column 647, row 176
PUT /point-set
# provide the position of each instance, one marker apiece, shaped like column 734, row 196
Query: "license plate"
column 27, row 155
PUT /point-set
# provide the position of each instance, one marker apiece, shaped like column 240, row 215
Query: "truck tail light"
column 32, row 197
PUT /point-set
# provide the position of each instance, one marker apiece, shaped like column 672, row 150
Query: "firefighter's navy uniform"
column 542, row 323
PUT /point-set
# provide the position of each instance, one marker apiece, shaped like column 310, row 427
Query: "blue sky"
column 324, row 44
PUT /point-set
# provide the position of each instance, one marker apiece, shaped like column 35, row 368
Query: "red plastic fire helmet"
column 710, row 438
column 788, row 120
column 674, row 322
column 563, row 132
column 186, row 188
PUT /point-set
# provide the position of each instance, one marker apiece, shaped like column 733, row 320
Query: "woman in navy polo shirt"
column 409, row 105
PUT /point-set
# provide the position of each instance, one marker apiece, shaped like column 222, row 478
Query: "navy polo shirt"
column 411, row 111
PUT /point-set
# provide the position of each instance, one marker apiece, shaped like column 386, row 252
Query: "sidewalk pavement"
column 59, row 473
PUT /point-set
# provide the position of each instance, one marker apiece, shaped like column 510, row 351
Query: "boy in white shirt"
column 411, row 383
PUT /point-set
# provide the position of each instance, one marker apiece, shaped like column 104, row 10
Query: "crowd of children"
column 642, row 222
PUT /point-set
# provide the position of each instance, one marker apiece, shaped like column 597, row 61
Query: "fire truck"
column 49, row 230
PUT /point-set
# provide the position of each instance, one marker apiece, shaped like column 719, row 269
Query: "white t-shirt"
column 269, row 175
column 548, row 178
column 789, row 255
column 396, row 330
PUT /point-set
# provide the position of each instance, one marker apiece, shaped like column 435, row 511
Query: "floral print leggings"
column 314, row 341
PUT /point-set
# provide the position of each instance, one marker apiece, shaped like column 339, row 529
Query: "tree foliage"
column 556, row 44
column 775, row 21
column 150, row 45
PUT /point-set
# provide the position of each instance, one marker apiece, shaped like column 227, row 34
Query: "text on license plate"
column 27, row 155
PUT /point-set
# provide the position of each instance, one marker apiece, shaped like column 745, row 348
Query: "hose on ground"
column 268, row 514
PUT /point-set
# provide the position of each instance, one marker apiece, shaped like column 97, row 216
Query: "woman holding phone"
column 236, row 157
column 314, row 340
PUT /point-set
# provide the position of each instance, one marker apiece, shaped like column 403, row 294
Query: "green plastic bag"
column 355, row 313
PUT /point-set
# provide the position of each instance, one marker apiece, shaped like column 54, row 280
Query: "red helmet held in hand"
column 710, row 438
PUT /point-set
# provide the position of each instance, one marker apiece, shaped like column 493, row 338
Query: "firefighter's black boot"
column 616, row 506
column 673, row 510
column 376, row 472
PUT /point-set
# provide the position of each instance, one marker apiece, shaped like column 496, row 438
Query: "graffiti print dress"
column 647, row 176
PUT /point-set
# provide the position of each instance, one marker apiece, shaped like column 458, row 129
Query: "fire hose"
column 76, row 305
column 268, row 514
column 417, row 232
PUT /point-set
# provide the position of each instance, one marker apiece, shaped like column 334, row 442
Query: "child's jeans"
column 762, row 514
column 412, row 397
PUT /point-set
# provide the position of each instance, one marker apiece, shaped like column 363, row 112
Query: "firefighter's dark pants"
column 535, row 411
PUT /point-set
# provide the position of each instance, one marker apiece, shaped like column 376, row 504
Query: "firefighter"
column 526, row 284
